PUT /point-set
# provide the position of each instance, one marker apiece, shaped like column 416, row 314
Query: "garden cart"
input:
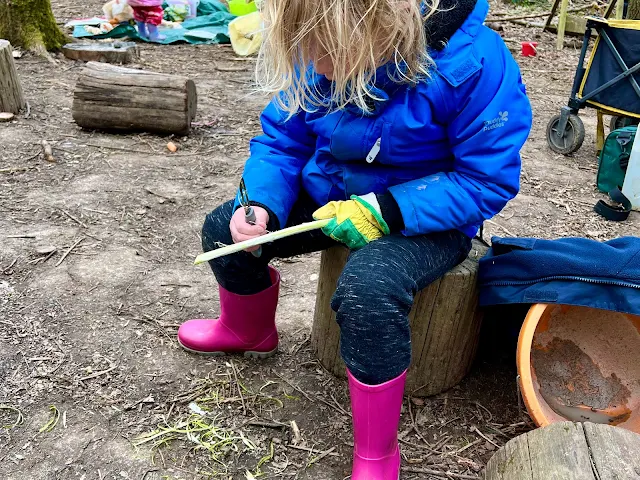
column 609, row 83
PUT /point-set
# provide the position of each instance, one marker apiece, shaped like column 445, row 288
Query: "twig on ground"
column 74, row 218
column 537, row 15
column 26, row 235
column 466, row 447
column 6, row 269
column 415, row 429
column 439, row 473
column 97, row 374
column 141, row 152
column 311, row 450
column 321, row 456
column 298, row 389
column 235, row 374
column 15, row 169
column 476, row 430
column 501, row 227
column 260, row 423
column 69, row 251
column 95, row 211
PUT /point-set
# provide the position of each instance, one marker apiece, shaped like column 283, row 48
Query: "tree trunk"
column 445, row 324
column 29, row 24
column 633, row 10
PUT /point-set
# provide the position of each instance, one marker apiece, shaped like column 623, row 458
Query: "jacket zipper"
column 562, row 277
column 375, row 150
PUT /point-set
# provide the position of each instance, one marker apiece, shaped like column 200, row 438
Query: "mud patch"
column 571, row 376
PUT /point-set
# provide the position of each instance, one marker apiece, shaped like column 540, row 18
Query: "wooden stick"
column 253, row 242
column 439, row 473
column 536, row 15
column 74, row 218
column 97, row 374
column 551, row 14
column 562, row 23
column 69, row 251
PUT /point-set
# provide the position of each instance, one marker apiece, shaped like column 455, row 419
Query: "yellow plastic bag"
column 245, row 33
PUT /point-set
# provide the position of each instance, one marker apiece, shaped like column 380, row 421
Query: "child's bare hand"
column 241, row 230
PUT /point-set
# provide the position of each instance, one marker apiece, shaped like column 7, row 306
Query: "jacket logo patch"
column 461, row 73
column 498, row 122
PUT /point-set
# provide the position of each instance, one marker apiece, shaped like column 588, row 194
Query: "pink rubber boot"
column 246, row 325
column 376, row 414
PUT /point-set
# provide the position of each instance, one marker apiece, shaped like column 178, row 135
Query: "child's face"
column 321, row 60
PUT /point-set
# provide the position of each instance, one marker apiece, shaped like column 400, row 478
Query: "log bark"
column 568, row 451
column 11, row 96
column 445, row 324
column 29, row 24
column 121, row 99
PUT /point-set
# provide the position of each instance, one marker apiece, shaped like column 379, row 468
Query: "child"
column 148, row 15
column 400, row 121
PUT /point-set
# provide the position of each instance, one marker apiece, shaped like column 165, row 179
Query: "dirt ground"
column 89, row 364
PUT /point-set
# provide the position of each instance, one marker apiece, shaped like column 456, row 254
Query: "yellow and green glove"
column 354, row 222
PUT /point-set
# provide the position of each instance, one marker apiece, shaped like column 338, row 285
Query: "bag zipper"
column 566, row 277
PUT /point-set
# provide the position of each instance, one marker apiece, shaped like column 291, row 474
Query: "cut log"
column 122, row 99
column 11, row 97
column 568, row 451
column 445, row 324
column 116, row 52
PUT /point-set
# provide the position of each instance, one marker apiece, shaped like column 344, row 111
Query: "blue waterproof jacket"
column 446, row 149
column 568, row 271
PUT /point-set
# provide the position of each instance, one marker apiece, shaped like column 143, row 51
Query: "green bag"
column 614, row 158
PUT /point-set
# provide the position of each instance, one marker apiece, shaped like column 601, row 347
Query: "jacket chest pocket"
column 355, row 139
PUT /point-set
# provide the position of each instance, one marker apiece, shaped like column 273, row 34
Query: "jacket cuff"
column 391, row 212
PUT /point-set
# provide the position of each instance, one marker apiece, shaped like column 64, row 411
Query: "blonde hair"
column 359, row 36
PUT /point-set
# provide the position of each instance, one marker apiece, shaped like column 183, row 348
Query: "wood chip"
column 47, row 151
column 6, row 116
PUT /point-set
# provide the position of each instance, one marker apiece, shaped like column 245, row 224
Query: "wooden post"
column 562, row 23
column 568, row 451
column 115, row 98
column 600, row 132
column 445, row 324
column 11, row 97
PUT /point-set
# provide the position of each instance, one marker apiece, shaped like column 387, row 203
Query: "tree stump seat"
column 445, row 324
column 11, row 96
column 568, row 451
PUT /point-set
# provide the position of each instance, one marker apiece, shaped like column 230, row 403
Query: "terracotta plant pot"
column 580, row 364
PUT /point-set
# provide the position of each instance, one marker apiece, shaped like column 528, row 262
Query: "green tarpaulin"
column 210, row 26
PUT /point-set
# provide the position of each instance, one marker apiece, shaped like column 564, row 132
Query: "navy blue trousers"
column 375, row 291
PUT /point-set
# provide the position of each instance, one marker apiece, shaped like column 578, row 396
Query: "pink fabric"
column 246, row 324
column 150, row 15
column 145, row 3
column 376, row 414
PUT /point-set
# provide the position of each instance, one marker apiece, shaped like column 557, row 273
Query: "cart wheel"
column 570, row 140
column 621, row 122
